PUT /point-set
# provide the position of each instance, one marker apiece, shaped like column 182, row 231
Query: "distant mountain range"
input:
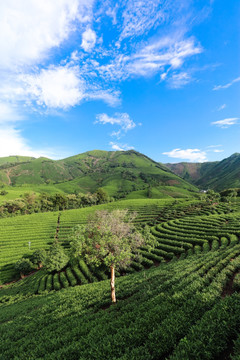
column 121, row 173
column 217, row 175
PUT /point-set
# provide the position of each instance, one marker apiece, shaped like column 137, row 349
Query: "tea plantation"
column 21, row 235
column 179, row 310
column 180, row 301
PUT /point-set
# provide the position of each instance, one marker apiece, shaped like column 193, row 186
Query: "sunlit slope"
column 120, row 173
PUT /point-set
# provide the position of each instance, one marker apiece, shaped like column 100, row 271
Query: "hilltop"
column 120, row 173
column 217, row 175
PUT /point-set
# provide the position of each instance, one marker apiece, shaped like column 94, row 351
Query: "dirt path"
column 8, row 172
column 57, row 228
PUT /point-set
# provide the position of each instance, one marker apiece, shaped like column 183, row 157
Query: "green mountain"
column 120, row 173
column 191, row 172
column 218, row 175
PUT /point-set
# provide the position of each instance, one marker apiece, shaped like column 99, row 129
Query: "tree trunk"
column 113, row 284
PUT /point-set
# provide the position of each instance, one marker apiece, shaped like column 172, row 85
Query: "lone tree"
column 109, row 238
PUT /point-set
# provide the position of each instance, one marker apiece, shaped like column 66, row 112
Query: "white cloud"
column 111, row 97
column 225, row 123
column 218, row 150
column 218, row 87
column 88, row 40
column 30, row 29
column 223, row 106
column 13, row 143
column 67, row 83
column 56, row 87
column 121, row 119
column 120, row 147
column 195, row 155
column 9, row 113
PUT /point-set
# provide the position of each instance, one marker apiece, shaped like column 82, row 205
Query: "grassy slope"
column 191, row 172
column 15, row 192
column 225, row 174
column 217, row 175
column 116, row 172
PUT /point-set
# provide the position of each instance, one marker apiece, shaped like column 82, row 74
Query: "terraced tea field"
column 15, row 235
column 176, row 239
column 40, row 229
column 196, row 234
column 179, row 310
column 180, row 301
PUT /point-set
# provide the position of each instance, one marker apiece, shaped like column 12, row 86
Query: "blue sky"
column 159, row 76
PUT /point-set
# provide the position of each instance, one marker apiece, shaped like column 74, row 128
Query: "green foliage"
column 64, row 280
column 236, row 282
column 56, row 283
column 178, row 305
column 24, row 266
column 39, row 257
column 102, row 196
column 109, row 238
column 56, row 259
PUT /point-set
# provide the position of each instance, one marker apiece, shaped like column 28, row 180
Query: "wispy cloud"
column 120, row 147
column 121, row 119
column 140, row 16
column 218, row 150
column 109, row 96
column 223, row 106
column 225, row 123
column 177, row 81
column 226, row 86
column 195, row 155
column 213, row 146
column 165, row 53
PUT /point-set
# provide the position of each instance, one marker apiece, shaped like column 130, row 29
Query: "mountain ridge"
column 120, row 173
column 216, row 175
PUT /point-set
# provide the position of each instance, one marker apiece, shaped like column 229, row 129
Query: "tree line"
column 31, row 203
